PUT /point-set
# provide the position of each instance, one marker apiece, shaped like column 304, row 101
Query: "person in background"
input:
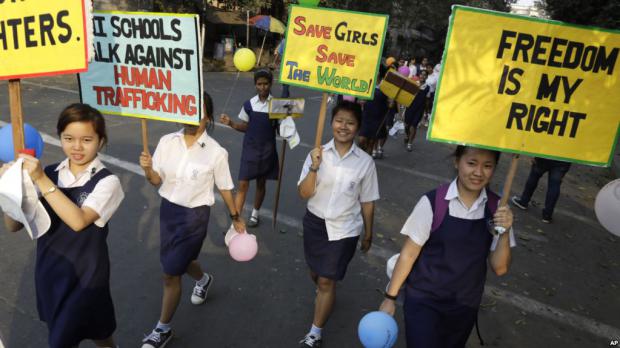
column 259, row 157
column 556, row 171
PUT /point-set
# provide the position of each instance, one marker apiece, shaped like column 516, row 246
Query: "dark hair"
column 462, row 149
column 351, row 107
column 208, row 102
column 263, row 74
column 82, row 113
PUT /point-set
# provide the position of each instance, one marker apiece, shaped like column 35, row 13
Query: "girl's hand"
column 503, row 217
column 146, row 161
column 315, row 156
column 366, row 244
column 32, row 166
column 225, row 119
column 239, row 225
column 388, row 306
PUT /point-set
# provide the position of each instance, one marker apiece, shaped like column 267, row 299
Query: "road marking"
column 530, row 305
column 524, row 303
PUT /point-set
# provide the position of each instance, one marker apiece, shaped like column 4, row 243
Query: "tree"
column 600, row 13
column 417, row 27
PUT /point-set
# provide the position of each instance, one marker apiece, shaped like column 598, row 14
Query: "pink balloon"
column 243, row 247
column 348, row 98
column 404, row 70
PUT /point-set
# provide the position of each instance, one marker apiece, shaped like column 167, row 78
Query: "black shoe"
column 157, row 339
column 517, row 202
column 310, row 341
column 199, row 295
column 253, row 222
column 546, row 218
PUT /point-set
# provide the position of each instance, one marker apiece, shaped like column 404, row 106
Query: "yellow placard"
column 333, row 50
column 42, row 37
column 530, row 86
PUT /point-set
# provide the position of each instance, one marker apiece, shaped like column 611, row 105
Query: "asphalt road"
column 562, row 289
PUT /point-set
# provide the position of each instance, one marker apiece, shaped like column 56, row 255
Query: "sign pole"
column 145, row 136
column 280, row 174
column 509, row 178
column 261, row 50
column 247, row 33
column 321, row 122
column 17, row 118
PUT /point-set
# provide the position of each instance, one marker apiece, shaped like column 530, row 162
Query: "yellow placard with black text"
column 528, row 85
column 42, row 38
column 333, row 51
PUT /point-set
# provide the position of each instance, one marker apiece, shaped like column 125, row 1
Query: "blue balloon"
column 32, row 140
column 377, row 330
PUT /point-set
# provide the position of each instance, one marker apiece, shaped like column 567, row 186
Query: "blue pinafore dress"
column 72, row 275
column 259, row 158
column 373, row 116
column 445, row 286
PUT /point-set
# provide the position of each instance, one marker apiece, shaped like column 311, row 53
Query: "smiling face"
column 80, row 143
column 344, row 126
column 475, row 169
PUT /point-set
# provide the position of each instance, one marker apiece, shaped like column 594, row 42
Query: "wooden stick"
column 17, row 117
column 145, row 136
column 509, row 178
column 280, row 174
column 261, row 50
column 321, row 122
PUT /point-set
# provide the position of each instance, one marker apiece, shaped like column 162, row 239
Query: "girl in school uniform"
column 376, row 114
column 415, row 111
column 444, row 259
column 339, row 180
column 186, row 165
column 259, row 158
column 72, row 272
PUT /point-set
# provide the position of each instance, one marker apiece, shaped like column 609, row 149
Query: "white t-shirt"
column 188, row 174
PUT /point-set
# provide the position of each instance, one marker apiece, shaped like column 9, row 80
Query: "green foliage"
column 417, row 27
column 600, row 13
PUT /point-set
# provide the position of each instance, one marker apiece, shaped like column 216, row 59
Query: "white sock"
column 204, row 280
column 315, row 331
column 254, row 212
column 163, row 327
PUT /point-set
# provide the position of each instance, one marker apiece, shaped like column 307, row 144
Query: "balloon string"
column 230, row 93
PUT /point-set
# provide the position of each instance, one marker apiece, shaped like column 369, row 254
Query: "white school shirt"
column 257, row 106
column 106, row 196
column 418, row 225
column 188, row 174
column 341, row 185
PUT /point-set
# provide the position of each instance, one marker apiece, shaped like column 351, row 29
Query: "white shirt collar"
column 453, row 193
column 256, row 99
column 353, row 150
column 202, row 140
column 92, row 168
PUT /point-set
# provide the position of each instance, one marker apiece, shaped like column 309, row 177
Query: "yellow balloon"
column 390, row 60
column 244, row 59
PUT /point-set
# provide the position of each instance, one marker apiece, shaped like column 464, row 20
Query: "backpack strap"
column 439, row 205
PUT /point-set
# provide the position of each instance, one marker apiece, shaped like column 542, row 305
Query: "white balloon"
column 607, row 207
column 391, row 263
